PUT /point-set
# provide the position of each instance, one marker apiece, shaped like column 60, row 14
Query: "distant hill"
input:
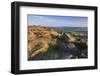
column 73, row 28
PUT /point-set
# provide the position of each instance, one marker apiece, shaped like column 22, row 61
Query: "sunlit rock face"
column 45, row 43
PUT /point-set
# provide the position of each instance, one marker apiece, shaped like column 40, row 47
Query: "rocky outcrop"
column 46, row 43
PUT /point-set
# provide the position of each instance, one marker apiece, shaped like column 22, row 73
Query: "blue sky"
column 57, row 21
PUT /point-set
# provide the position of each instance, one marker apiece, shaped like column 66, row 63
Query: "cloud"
column 54, row 22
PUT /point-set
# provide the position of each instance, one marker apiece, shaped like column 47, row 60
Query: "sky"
column 57, row 21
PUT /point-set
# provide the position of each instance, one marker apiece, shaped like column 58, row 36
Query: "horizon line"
column 53, row 26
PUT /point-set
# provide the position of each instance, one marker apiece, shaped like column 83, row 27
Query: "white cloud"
column 40, row 20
